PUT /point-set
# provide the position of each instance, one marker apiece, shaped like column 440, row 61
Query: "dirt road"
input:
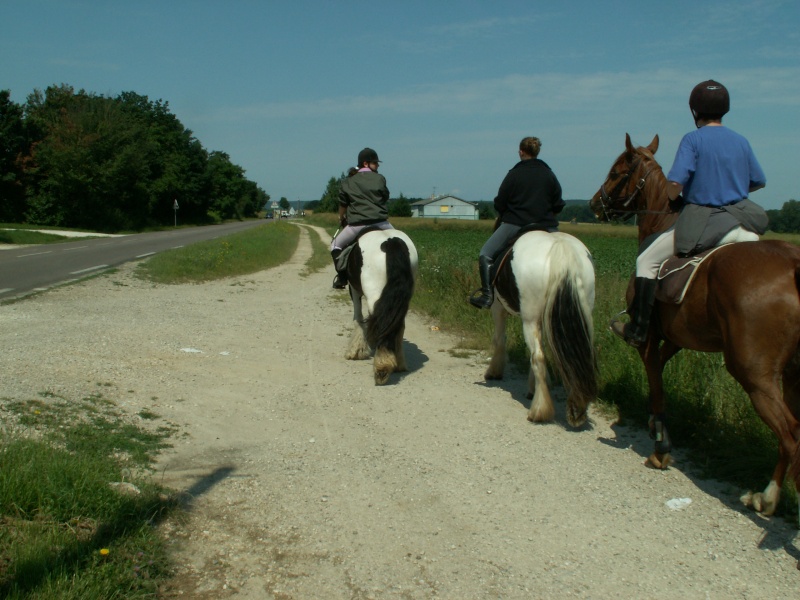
column 309, row 482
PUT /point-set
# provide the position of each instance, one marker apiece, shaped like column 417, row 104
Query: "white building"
column 446, row 207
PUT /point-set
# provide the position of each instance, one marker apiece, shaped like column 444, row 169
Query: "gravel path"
column 309, row 482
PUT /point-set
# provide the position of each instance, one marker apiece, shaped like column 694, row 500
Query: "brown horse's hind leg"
column 767, row 501
column 768, row 402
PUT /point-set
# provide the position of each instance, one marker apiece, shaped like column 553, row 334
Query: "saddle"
column 675, row 275
column 341, row 260
column 504, row 255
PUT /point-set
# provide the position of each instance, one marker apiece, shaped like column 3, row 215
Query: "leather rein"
column 623, row 199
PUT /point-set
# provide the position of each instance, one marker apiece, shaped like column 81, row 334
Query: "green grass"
column 242, row 253
column 66, row 531
column 320, row 257
column 24, row 237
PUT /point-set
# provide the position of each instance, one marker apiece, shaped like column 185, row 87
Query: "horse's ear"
column 628, row 145
column 653, row 145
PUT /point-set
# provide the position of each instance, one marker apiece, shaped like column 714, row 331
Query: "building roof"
column 442, row 197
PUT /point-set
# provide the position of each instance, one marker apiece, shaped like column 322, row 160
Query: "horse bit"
column 624, row 212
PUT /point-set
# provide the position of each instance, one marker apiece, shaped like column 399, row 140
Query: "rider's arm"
column 674, row 189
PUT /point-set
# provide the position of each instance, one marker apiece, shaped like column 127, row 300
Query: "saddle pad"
column 675, row 275
column 341, row 260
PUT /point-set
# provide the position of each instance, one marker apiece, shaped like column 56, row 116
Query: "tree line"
column 82, row 160
column 783, row 220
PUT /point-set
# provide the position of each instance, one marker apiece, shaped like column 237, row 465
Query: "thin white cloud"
column 520, row 94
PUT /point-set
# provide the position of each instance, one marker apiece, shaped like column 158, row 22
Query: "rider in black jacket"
column 530, row 193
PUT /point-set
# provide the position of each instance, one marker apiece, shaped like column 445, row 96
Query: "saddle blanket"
column 675, row 275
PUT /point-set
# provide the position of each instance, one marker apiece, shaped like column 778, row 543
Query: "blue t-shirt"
column 715, row 166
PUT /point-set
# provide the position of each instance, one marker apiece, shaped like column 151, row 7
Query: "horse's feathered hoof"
column 656, row 461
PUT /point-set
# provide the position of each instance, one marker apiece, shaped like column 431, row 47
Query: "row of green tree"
column 77, row 159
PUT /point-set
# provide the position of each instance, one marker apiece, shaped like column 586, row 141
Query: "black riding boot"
column 486, row 297
column 340, row 281
column 644, row 296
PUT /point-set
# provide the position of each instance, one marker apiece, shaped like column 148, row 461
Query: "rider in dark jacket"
column 363, row 201
column 530, row 193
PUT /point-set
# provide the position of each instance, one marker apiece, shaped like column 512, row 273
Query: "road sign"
column 175, row 204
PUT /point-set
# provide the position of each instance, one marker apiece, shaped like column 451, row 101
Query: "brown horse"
column 744, row 301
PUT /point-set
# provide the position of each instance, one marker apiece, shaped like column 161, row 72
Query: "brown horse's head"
column 635, row 185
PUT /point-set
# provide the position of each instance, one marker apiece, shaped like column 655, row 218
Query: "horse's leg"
column 384, row 364
column 542, row 405
column 655, row 356
column 358, row 349
column 760, row 379
column 399, row 354
column 498, row 362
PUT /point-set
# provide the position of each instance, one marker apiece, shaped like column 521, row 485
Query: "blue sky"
column 443, row 90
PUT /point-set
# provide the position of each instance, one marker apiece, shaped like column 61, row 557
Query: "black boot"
column 644, row 296
column 340, row 281
column 486, row 297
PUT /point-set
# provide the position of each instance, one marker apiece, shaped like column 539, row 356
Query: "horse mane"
column 653, row 205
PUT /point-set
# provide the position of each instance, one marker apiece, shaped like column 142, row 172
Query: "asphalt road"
column 29, row 269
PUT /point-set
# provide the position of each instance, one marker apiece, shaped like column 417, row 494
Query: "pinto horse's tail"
column 568, row 326
column 388, row 316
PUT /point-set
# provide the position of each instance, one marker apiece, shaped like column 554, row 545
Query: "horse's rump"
column 389, row 311
column 548, row 280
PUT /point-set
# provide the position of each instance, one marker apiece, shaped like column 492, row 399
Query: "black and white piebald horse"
column 381, row 269
column 548, row 280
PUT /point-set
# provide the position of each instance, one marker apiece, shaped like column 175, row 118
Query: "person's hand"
column 677, row 204
column 342, row 221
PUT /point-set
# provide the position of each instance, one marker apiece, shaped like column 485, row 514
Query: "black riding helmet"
column 709, row 100
column 367, row 155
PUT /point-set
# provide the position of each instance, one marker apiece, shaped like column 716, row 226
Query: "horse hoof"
column 657, row 461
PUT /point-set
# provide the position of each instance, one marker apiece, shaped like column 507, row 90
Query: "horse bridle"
column 623, row 211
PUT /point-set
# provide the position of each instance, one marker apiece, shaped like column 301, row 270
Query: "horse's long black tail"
column 389, row 313
column 568, row 325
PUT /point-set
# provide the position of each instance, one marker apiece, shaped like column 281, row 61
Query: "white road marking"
column 89, row 269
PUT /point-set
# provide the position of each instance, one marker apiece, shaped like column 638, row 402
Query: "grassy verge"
column 78, row 503
column 23, row 237
column 246, row 252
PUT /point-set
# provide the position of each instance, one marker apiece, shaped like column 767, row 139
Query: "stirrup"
column 339, row 282
column 618, row 328
column 480, row 300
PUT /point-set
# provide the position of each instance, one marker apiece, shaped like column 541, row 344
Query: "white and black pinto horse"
column 548, row 280
column 381, row 269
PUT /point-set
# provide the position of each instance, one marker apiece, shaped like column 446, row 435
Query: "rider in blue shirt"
column 714, row 170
